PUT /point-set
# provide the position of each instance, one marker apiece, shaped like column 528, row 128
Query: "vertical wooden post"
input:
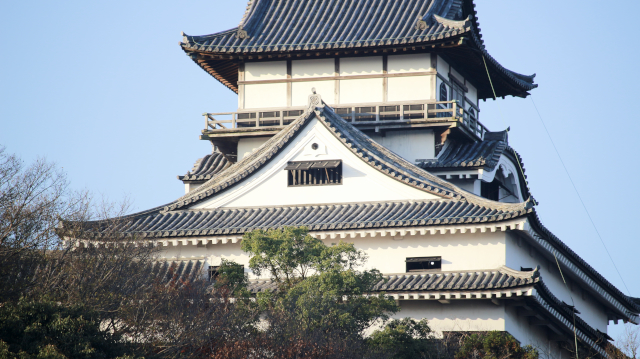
column 289, row 84
column 385, row 80
column 257, row 119
column 234, row 123
column 336, row 73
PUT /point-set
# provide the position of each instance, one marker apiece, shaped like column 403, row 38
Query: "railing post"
column 281, row 118
column 402, row 112
column 234, row 123
column 353, row 114
column 206, row 121
column 257, row 119
column 454, row 110
column 378, row 113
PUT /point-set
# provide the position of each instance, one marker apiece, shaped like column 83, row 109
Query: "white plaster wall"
column 409, row 88
column 369, row 65
column 268, row 187
column 312, row 68
column 533, row 335
column 249, row 144
column 442, row 67
column 265, row 95
column 470, row 251
column 459, row 315
column 411, row 144
column 361, row 90
column 271, row 70
column 459, row 252
column 300, row 91
column 520, row 254
column 188, row 187
column 408, row 63
column 466, row 184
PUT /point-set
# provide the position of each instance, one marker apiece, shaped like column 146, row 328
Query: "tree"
column 405, row 338
column 322, row 305
column 494, row 345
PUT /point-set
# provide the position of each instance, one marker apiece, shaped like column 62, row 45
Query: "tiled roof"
column 279, row 26
column 206, row 167
column 501, row 278
column 474, row 154
column 473, row 280
column 178, row 270
column 318, row 217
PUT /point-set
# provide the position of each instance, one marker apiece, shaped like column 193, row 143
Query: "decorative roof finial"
column 315, row 100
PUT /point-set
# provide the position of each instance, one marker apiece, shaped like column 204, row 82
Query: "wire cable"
column 575, row 335
column 580, row 197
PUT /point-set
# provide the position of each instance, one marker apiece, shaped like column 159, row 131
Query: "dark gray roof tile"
column 206, row 167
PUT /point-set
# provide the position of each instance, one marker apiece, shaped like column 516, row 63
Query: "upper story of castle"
column 383, row 65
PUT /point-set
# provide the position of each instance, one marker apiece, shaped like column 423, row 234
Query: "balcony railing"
column 361, row 115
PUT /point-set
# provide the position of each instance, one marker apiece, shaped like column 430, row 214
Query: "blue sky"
column 103, row 90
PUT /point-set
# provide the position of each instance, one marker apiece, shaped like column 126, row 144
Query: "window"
column 314, row 173
column 490, row 190
column 443, row 92
column 418, row 264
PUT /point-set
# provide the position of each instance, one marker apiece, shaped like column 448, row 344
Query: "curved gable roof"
column 374, row 154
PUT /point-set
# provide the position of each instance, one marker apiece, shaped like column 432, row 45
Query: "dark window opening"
column 490, row 190
column 314, row 173
column 525, row 269
column 443, row 92
column 417, row 264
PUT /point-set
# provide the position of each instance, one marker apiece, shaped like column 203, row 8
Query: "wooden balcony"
column 367, row 117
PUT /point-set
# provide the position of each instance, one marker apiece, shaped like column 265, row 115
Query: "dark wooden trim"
column 385, row 81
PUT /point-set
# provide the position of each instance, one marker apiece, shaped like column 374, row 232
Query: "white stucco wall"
column 312, row 68
column 247, row 145
column 411, row 144
column 521, row 254
column 268, row 186
column 270, row 70
column 361, row 90
column 408, row 63
column 369, row 65
column 265, row 95
column 442, row 67
column 533, row 335
column 300, row 91
column 411, row 88
column 461, row 315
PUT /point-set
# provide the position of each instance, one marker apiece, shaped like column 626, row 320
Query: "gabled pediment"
column 386, row 175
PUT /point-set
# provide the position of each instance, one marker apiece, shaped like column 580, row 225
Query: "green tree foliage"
column 50, row 330
column 494, row 345
column 405, row 339
column 321, row 291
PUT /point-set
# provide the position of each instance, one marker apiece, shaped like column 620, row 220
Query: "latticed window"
column 444, row 96
column 314, row 173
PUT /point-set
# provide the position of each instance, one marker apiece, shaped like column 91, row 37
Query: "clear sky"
column 104, row 90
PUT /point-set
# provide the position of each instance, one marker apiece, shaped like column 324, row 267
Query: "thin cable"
column 575, row 335
column 580, row 197
column 504, row 123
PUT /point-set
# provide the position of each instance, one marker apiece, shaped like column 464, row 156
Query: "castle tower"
column 387, row 152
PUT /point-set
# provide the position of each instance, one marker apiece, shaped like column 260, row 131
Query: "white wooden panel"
column 265, row 95
column 456, row 74
column 361, row 90
column 300, row 91
column 472, row 94
column 408, row 63
column 409, row 88
column 443, row 67
column 271, row 70
column 350, row 66
column 312, row 68
column 411, row 145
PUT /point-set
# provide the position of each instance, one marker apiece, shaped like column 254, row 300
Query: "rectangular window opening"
column 314, row 173
column 419, row 264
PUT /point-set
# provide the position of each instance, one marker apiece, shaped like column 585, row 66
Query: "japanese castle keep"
column 388, row 152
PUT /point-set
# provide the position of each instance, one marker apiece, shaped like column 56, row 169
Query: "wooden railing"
column 360, row 115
